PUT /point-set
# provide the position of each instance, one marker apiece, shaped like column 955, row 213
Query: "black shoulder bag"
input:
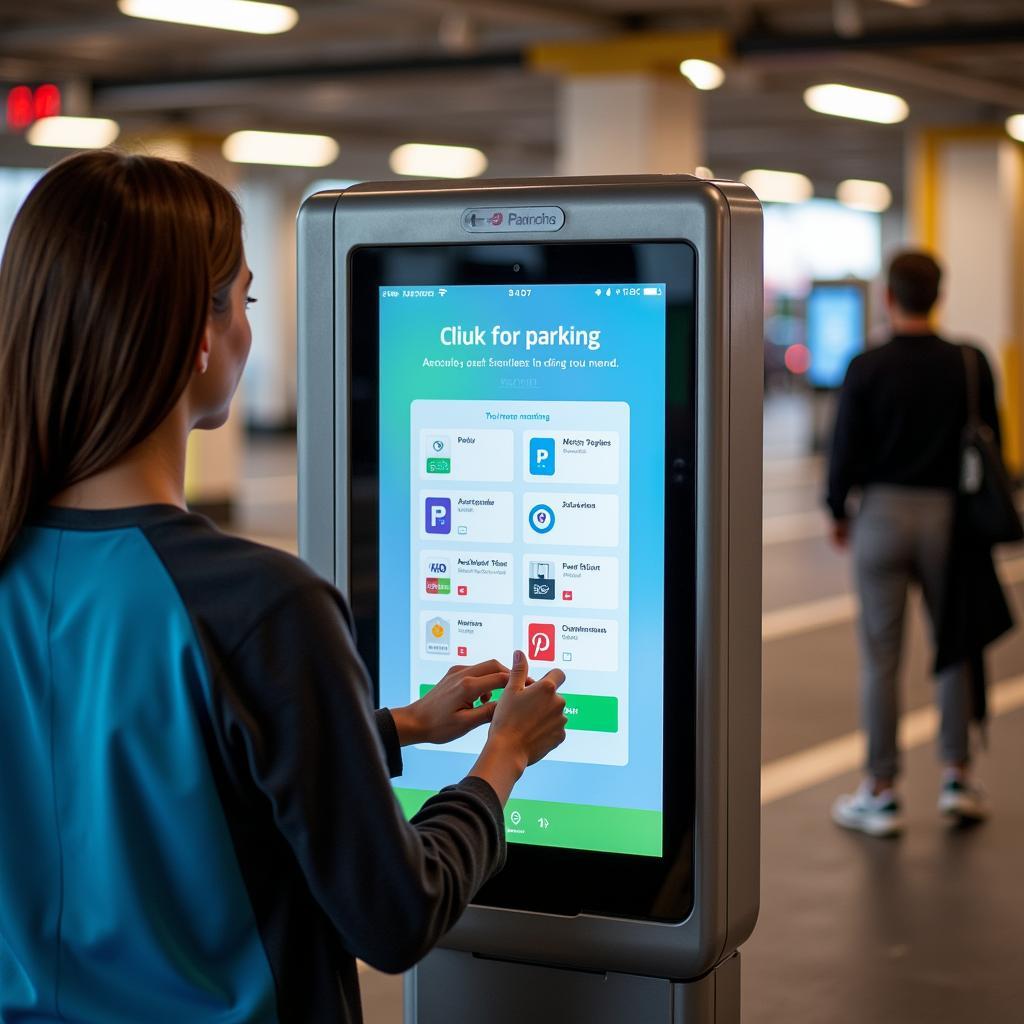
column 989, row 512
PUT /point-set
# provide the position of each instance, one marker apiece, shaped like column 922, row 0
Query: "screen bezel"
column 539, row 878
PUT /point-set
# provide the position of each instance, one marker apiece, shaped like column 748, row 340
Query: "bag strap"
column 970, row 358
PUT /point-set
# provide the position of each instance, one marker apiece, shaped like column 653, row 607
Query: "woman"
column 195, row 816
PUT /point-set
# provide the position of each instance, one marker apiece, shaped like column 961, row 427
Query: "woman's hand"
column 447, row 710
column 529, row 723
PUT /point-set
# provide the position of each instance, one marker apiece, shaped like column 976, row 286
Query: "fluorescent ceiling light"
column 858, row 194
column 703, row 74
column 73, row 132
column 281, row 148
column 421, row 160
column 779, row 186
column 862, row 104
column 1015, row 127
column 234, row 15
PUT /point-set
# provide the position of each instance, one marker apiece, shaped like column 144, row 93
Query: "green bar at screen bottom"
column 570, row 826
column 583, row 711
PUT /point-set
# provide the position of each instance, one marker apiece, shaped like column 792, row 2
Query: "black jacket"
column 902, row 410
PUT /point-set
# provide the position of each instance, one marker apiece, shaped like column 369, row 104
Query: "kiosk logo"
column 439, row 515
column 437, row 637
column 541, row 641
column 516, row 218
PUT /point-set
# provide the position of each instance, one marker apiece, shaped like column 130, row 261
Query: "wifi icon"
column 442, row 292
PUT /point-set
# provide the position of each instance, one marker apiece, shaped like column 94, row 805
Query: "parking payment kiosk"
column 530, row 416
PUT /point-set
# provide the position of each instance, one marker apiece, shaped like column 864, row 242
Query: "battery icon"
column 652, row 291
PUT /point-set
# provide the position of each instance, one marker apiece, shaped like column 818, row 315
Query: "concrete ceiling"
column 377, row 72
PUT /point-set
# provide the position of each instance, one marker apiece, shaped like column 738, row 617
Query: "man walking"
column 901, row 413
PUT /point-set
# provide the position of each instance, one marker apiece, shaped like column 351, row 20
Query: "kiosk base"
column 449, row 987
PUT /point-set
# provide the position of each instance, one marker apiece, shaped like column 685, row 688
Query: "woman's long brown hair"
column 113, row 266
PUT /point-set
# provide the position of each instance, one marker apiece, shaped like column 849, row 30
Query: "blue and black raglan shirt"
column 196, row 822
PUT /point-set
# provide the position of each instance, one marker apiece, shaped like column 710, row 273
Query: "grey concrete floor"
column 927, row 929
column 924, row 929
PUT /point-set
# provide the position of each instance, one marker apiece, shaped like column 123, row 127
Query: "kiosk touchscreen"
column 530, row 417
column 523, row 434
column 837, row 326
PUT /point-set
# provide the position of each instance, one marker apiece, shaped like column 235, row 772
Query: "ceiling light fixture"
column 859, row 194
column 1015, row 127
column 861, row 104
column 779, row 186
column 422, row 160
column 73, row 132
column 284, row 149
column 232, row 15
column 703, row 74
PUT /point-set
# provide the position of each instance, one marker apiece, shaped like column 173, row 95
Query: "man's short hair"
column 914, row 282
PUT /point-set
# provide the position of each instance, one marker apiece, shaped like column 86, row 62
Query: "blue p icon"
column 542, row 456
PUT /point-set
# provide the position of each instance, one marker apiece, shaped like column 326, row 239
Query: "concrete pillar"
column 629, row 123
column 269, row 206
column 967, row 206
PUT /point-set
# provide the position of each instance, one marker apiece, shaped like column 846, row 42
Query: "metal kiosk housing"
column 498, row 965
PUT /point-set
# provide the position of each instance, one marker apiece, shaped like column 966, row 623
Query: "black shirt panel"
column 333, row 870
column 902, row 411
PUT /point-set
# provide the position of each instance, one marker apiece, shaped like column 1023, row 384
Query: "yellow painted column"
column 966, row 204
column 624, row 107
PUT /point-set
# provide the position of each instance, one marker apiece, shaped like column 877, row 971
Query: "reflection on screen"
column 522, row 434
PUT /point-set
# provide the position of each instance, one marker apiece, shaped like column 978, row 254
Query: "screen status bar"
column 602, row 291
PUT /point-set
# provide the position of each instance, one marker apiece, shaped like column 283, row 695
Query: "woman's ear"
column 203, row 353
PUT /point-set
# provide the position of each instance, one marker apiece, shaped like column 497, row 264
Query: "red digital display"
column 26, row 105
column 19, row 108
column 47, row 101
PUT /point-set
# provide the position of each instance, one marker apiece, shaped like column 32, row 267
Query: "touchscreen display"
column 836, row 325
column 522, row 504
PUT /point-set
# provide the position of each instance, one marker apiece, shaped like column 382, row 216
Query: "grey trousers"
column 902, row 535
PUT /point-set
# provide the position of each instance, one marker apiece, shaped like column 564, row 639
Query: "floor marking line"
column 796, row 772
column 802, row 618
column 834, row 611
column 795, row 526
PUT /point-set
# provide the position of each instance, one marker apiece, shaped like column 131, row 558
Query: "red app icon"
column 541, row 641
column 566, row 595
column 463, row 651
column 463, row 591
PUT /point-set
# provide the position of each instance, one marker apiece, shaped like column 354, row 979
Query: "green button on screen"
column 592, row 714
column 583, row 711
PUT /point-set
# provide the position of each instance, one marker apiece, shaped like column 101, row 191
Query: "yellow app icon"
column 436, row 636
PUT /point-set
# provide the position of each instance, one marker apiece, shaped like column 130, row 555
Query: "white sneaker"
column 864, row 812
column 961, row 802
